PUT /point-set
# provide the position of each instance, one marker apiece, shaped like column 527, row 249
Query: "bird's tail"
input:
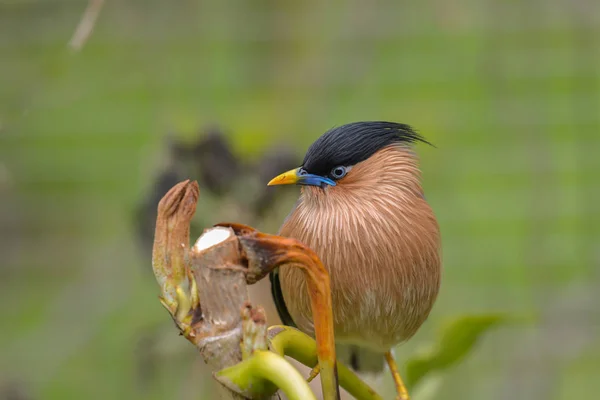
column 362, row 360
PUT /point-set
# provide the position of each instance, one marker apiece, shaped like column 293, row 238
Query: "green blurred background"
column 509, row 92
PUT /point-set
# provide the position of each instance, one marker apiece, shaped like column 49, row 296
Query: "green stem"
column 261, row 375
column 283, row 375
column 287, row 341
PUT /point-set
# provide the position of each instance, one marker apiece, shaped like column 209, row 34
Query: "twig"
column 86, row 24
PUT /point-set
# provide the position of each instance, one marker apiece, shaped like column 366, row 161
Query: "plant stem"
column 291, row 342
column 261, row 374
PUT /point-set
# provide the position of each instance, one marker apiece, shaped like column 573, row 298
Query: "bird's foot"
column 400, row 388
column 403, row 396
column 313, row 373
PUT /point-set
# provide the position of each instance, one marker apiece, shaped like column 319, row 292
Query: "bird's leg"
column 400, row 388
column 314, row 373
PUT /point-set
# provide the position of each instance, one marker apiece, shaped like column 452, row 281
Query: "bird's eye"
column 339, row 172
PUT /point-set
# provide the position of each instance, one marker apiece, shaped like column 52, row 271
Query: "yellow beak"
column 287, row 178
column 300, row 177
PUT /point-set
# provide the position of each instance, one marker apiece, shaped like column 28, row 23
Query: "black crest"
column 352, row 143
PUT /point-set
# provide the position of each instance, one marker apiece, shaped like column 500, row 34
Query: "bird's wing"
column 282, row 309
column 276, row 292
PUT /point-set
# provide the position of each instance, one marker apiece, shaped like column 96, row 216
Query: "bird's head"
column 331, row 159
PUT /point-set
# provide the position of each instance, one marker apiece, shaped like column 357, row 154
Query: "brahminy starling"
column 363, row 211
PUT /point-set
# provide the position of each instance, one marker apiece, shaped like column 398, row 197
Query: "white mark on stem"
column 212, row 237
column 233, row 332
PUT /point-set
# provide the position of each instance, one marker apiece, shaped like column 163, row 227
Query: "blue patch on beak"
column 307, row 179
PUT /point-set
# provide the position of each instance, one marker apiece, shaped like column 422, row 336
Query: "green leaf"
column 455, row 342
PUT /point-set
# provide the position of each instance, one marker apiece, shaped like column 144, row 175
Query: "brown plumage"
column 362, row 210
column 379, row 240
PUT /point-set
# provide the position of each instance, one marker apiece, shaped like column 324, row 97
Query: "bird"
column 362, row 210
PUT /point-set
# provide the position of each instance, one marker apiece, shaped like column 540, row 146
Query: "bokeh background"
column 90, row 138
